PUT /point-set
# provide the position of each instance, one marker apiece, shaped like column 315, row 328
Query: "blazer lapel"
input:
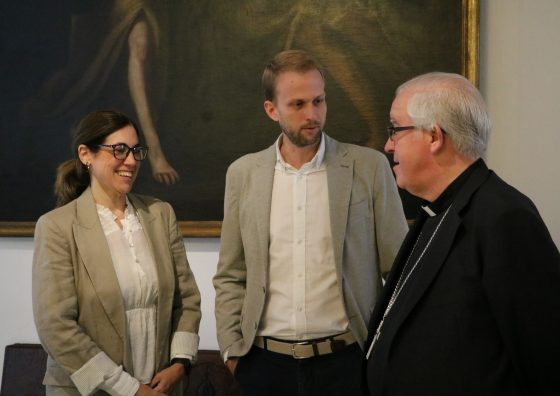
column 393, row 277
column 339, row 179
column 96, row 257
column 429, row 265
column 439, row 248
column 157, row 242
column 263, row 179
column 159, row 246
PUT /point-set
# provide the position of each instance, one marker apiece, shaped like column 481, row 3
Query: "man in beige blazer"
column 309, row 226
column 78, row 308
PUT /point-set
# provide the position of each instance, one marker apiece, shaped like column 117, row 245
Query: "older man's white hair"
column 452, row 102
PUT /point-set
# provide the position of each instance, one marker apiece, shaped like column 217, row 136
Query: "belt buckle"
column 294, row 355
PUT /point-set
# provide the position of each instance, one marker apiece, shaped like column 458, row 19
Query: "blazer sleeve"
column 231, row 275
column 186, row 313
column 390, row 222
column 521, row 278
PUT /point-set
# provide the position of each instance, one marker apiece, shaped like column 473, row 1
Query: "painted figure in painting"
column 117, row 44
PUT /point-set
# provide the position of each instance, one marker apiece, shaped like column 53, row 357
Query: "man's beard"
column 299, row 140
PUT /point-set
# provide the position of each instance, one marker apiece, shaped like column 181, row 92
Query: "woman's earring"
column 88, row 165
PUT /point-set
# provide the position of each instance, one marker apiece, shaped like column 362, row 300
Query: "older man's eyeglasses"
column 393, row 130
column 121, row 151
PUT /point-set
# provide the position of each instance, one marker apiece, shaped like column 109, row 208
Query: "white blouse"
column 136, row 272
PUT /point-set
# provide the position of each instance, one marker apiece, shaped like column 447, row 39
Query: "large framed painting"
column 189, row 73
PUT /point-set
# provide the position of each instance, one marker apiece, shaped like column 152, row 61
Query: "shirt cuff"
column 100, row 372
column 184, row 345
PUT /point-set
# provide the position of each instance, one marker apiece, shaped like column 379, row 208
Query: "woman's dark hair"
column 72, row 176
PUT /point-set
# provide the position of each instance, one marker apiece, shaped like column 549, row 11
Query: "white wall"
column 15, row 293
column 519, row 70
column 520, row 62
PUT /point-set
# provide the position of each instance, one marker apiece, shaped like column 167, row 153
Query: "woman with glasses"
column 115, row 303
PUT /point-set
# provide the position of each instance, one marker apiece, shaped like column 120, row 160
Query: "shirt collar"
column 106, row 212
column 448, row 195
column 315, row 163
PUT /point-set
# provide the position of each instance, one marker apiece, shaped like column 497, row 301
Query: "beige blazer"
column 77, row 303
column 367, row 226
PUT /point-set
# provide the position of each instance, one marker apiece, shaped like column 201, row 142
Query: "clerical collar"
column 448, row 195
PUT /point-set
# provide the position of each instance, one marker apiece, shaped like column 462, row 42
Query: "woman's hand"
column 166, row 379
column 145, row 390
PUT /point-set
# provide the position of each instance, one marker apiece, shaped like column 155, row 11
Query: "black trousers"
column 265, row 373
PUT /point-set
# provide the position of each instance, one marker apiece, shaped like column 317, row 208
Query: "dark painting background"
column 62, row 59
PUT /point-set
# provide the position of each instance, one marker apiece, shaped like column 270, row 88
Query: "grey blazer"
column 77, row 303
column 367, row 225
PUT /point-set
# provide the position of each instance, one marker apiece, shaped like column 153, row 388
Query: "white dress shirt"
column 137, row 276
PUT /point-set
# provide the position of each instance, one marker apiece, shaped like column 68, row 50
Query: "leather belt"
column 306, row 349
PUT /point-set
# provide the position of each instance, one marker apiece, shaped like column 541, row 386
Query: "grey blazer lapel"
column 156, row 238
column 339, row 179
column 96, row 257
column 159, row 245
column 261, row 199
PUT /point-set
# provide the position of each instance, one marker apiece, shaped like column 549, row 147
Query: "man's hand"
column 231, row 364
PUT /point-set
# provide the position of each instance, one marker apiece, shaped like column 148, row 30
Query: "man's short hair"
column 452, row 102
column 290, row 60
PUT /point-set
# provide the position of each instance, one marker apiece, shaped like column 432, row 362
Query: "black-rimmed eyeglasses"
column 393, row 130
column 121, row 151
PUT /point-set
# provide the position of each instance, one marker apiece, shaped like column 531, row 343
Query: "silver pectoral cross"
column 375, row 338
